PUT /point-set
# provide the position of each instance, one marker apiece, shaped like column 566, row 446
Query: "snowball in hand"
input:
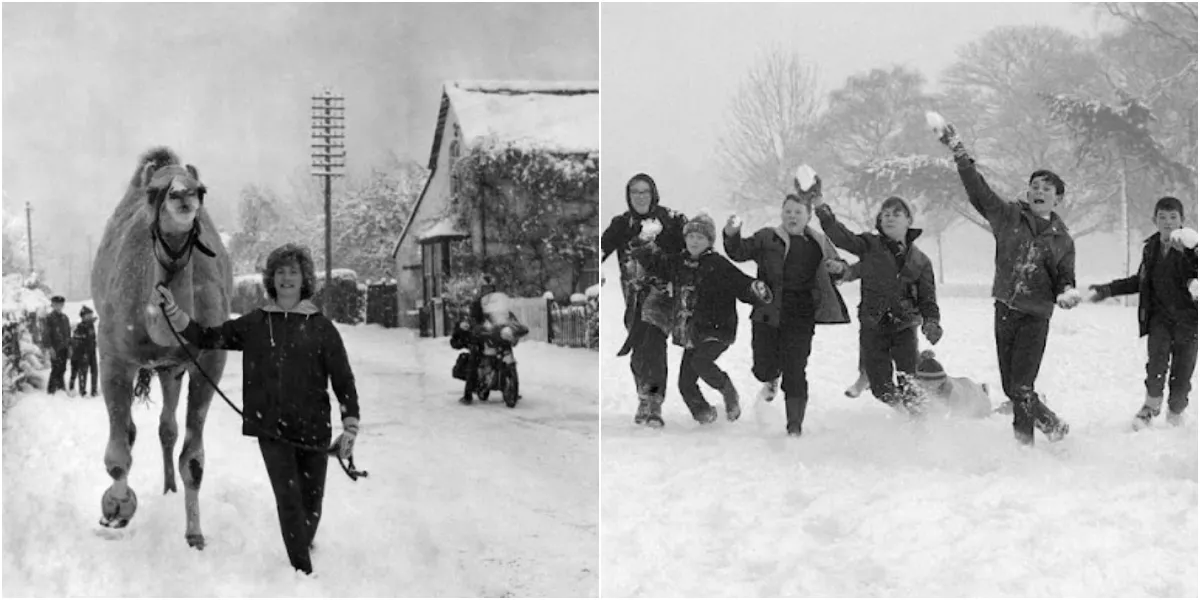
column 650, row 229
column 1192, row 288
column 1185, row 237
column 935, row 122
column 1070, row 298
column 805, row 178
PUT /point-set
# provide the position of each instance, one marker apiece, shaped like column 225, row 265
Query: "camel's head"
column 175, row 192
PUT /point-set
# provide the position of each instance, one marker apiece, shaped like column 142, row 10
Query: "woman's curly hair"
column 293, row 254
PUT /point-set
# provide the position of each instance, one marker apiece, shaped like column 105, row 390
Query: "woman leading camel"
column 291, row 353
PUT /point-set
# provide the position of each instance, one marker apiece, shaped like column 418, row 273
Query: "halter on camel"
column 167, row 179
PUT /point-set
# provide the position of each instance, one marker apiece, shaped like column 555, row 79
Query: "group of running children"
column 675, row 284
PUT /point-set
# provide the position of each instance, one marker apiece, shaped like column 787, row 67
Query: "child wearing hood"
column 706, row 289
column 898, row 296
column 653, row 230
column 291, row 353
column 1166, row 287
column 83, row 352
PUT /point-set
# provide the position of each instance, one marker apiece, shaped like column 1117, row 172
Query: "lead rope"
column 351, row 471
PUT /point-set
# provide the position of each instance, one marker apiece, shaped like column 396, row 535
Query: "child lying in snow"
column 958, row 396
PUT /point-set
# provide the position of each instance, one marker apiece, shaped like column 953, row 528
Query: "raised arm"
column 837, row 233
column 986, row 202
column 738, row 248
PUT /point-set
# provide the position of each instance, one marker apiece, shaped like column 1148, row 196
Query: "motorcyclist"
column 490, row 318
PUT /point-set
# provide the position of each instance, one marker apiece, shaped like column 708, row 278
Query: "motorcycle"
column 495, row 363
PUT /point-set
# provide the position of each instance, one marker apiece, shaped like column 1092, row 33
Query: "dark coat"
column 1183, row 268
column 641, row 289
column 1035, row 260
column 289, row 359
column 83, row 340
column 57, row 333
column 706, row 290
column 894, row 298
column 769, row 247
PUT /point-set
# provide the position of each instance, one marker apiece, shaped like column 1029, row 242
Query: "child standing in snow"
column 658, row 231
column 1166, row 287
column 58, row 344
column 706, row 288
column 898, row 296
column 798, row 265
column 83, row 352
column 1035, row 268
column 291, row 354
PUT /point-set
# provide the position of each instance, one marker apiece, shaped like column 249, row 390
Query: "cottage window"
column 455, row 150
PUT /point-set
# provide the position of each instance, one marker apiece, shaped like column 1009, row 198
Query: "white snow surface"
column 866, row 503
column 476, row 500
column 528, row 114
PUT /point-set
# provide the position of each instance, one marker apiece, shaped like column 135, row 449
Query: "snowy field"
column 868, row 504
column 461, row 501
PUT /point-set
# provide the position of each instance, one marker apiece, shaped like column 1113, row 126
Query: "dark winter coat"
column 289, row 358
column 1182, row 266
column 57, row 333
column 1035, row 260
column 894, row 297
column 83, row 340
column 706, row 289
column 641, row 289
column 769, row 247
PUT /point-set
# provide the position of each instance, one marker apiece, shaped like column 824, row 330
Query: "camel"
column 160, row 232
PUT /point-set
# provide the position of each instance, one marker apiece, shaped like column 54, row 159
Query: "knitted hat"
column 702, row 224
column 85, row 311
column 57, row 300
column 928, row 367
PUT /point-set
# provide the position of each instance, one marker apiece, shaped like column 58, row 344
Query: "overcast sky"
column 88, row 87
column 670, row 70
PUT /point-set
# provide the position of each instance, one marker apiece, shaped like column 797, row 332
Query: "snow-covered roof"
column 442, row 228
column 560, row 117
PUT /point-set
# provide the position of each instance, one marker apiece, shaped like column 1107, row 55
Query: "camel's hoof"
column 113, row 523
column 117, row 511
column 196, row 540
column 169, row 487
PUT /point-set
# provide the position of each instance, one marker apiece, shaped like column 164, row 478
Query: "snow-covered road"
column 460, row 501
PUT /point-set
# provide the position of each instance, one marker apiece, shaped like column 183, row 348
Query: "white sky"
column 89, row 87
column 670, row 70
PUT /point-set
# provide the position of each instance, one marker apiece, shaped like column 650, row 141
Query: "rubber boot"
column 796, row 407
column 733, row 407
column 1150, row 409
column 654, row 411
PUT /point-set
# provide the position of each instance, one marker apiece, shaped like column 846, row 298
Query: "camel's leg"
column 168, row 425
column 119, row 503
column 191, row 459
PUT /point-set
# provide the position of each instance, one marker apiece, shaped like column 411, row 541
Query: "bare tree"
column 768, row 130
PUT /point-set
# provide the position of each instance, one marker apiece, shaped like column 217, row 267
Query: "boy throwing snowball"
column 1035, row 268
column 1166, row 287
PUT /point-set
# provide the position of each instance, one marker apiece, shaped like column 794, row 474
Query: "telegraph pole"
column 328, row 155
column 29, row 234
